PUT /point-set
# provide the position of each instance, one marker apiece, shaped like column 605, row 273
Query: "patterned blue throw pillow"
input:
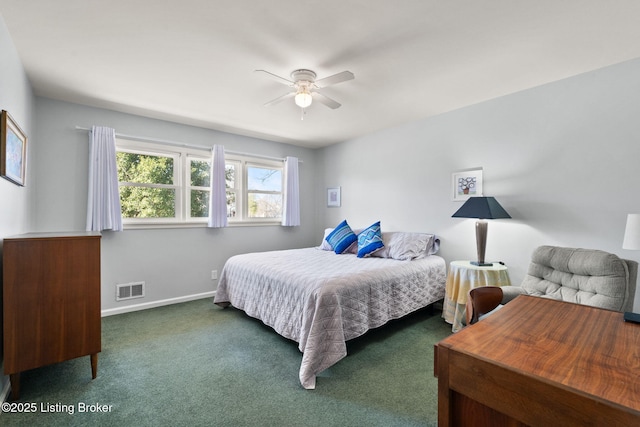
column 341, row 237
column 369, row 240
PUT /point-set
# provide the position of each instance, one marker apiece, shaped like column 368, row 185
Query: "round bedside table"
column 462, row 277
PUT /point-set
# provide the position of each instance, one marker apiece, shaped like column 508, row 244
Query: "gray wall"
column 562, row 159
column 17, row 98
column 175, row 263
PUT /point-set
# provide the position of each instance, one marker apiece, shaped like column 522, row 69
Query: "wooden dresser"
column 51, row 301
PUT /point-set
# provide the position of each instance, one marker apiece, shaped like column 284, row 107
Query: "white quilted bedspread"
column 321, row 300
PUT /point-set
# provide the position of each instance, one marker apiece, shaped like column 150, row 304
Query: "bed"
column 321, row 299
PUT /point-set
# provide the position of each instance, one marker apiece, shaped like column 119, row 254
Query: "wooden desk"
column 541, row 362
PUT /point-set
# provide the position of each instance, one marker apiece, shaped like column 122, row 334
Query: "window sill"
column 160, row 225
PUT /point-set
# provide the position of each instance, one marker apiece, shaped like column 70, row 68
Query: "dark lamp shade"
column 482, row 208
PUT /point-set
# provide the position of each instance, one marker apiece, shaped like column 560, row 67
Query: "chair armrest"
column 510, row 292
column 481, row 301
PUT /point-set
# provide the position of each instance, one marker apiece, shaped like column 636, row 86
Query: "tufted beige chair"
column 583, row 276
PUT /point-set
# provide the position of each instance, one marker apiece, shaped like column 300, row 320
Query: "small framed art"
column 466, row 183
column 13, row 150
column 333, row 197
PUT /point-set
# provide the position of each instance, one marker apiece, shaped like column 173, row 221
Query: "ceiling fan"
column 305, row 87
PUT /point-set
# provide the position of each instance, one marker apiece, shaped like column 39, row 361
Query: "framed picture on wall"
column 333, row 197
column 466, row 183
column 13, row 150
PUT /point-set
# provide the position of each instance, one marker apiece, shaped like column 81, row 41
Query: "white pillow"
column 406, row 246
column 325, row 246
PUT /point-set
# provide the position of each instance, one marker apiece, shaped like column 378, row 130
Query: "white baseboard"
column 153, row 304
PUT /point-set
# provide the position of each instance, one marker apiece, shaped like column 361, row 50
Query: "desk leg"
column 445, row 404
column 14, row 379
column 94, row 365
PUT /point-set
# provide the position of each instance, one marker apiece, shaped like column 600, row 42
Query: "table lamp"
column 632, row 233
column 481, row 208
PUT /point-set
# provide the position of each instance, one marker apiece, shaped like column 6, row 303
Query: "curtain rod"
column 182, row 144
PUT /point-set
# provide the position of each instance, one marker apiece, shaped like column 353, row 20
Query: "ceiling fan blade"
column 323, row 99
column 276, row 77
column 335, row 79
column 280, row 99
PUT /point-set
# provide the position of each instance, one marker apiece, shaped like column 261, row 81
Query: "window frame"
column 183, row 155
column 242, row 179
column 188, row 187
column 149, row 149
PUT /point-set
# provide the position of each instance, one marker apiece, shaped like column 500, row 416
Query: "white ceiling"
column 193, row 61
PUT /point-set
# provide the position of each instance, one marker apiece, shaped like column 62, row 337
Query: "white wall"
column 562, row 159
column 174, row 263
column 16, row 97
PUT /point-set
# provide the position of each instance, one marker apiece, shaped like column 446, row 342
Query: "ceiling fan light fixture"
column 305, row 87
column 303, row 99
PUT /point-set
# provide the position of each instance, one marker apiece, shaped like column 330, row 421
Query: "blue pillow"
column 341, row 237
column 369, row 240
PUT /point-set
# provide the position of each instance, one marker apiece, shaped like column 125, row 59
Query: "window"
column 148, row 184
column 170, row 185
column 254, row 189
column 199, row 183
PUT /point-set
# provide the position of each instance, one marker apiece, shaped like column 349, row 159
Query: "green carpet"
column 195, row 364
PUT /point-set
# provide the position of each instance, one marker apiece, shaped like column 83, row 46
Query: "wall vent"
column 129, row 291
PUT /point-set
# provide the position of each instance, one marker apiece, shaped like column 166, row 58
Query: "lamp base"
column 482, row 264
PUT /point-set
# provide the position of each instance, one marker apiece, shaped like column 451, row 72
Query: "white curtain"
column 103, row 205
column 291, row 208
column 218, row 196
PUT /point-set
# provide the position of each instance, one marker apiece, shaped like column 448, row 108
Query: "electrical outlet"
column 214, row 274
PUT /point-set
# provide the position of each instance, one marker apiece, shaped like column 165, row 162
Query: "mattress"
column 321, row 300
